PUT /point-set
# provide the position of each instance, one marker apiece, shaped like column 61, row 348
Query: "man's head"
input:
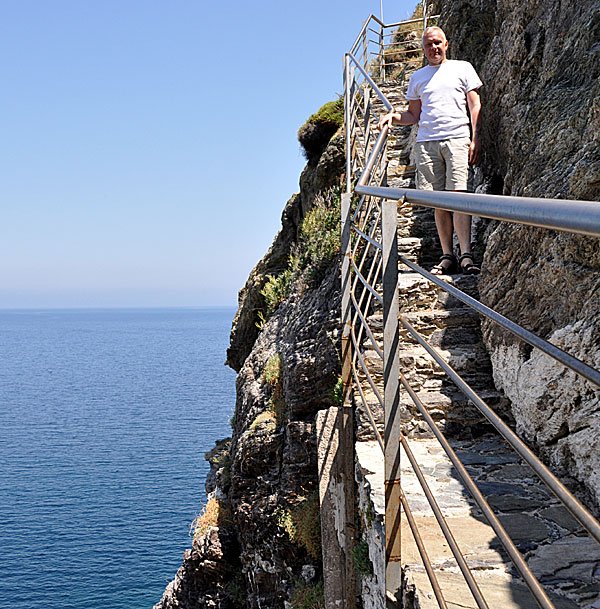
column 434, row 45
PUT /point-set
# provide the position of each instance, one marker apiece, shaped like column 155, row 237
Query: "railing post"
column 381, row 54
column 347, row 126
column 391, row 370
column 345, row 239
column 346, row 281
column 346, row 420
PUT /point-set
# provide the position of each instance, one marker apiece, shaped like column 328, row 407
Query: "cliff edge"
column 261, row 545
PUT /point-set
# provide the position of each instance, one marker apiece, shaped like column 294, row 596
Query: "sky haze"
column 150, row 147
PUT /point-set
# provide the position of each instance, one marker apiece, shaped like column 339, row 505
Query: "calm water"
column 104, row 420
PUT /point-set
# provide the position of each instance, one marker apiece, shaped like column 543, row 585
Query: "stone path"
column 562, row 556
column 560, row 553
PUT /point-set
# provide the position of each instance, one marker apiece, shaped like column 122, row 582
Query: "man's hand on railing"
column 389, row 119
column 408, row 117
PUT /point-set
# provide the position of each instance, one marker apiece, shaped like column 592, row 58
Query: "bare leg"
column 445, row 226
column 462, row 225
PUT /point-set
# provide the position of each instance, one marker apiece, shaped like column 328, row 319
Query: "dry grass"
column 213, row 514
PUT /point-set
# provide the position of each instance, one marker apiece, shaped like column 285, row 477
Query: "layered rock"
column 274, row 460
column 267, row 474
column 540, row 62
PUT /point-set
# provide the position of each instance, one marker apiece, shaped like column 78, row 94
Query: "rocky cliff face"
column 540, row 64
column 264, row 546
column 317, row 176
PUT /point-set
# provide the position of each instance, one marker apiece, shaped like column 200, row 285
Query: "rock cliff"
column 263, row 548
column 540, row 64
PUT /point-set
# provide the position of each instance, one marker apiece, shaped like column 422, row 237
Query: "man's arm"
column 474, row 103
column 410, row 117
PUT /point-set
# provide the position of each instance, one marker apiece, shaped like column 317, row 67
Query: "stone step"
column 418, row 294
column 562, row 557
column 449, row 407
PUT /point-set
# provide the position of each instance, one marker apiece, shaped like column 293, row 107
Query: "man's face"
column 435, row 46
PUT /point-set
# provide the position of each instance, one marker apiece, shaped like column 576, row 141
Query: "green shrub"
column 308, row 596
column 319, row 241
column 302, row 523
column 360, row 557
column 320, row 127
column 235, row 589
column 272, row 371
column 275, row 291
column 272, row 376
column 338, row 392
column 317, row 246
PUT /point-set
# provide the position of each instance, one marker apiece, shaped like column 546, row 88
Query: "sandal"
column 470, row 268
column 441, row 269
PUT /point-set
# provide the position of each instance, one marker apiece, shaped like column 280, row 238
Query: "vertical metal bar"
column 348, row 125
column 424, row 4
column 346, row 302
column 346, row 420
column 345, row 243
column 391, row 371
column 349, row 525
column 365, row 58
column 381, row 56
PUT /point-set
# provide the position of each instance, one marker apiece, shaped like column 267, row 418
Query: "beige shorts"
column 443, row 164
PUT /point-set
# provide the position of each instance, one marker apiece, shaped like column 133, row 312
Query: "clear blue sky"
column 148, row 147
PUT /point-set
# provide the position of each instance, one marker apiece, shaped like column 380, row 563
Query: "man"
column 438, row 97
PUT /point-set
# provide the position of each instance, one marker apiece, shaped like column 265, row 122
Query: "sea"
column 105, row 416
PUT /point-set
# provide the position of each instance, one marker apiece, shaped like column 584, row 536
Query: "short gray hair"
column 429, row 30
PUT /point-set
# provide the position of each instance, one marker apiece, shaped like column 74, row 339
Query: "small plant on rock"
column 235, row 589
column 338, row 392
column 213, row 514
column 320, row 127
column 266, row 419
column 317, row 246
column 360, row 556
column 302, row 523
column 308, row 596
column 272, row 376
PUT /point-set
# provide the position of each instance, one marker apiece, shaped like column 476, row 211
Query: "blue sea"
column 105, row 416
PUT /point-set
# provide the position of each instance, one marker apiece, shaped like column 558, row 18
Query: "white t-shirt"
column 443, row 93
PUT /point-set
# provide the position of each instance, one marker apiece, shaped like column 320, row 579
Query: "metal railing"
column 380, row 49
column 370, row 280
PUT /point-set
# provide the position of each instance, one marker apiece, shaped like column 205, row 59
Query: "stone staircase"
column 559, row 552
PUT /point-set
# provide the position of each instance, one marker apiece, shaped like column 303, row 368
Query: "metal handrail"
column 368, row 409
column 535, row 341
column 551, row 481
column 581, row 217
column 371, row 82
column 494, row 522
column 462, row 563
column 372, row 17
column 435, row 585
